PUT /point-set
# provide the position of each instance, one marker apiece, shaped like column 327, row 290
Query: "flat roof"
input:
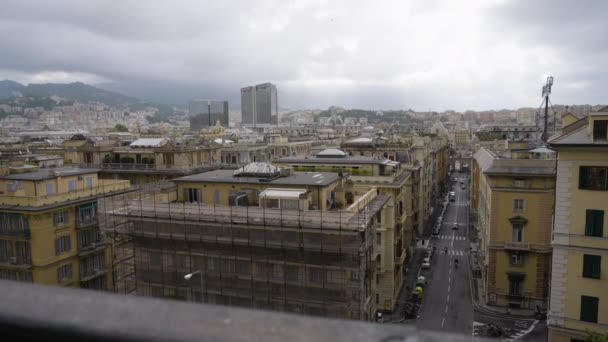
column 49, row 173
column 333, row 160
column 296, row 178
column 282, row 193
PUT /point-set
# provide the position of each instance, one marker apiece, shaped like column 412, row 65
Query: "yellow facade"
column 579, row 295
column 49, row 230
column 514, row 201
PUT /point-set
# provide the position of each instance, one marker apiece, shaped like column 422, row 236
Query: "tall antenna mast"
column 546, row 93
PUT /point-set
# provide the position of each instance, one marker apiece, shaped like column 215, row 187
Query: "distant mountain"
column 79, row 92
column 10, row 88
column 76, row 91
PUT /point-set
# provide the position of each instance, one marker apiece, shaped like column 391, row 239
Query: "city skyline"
column 434, row 56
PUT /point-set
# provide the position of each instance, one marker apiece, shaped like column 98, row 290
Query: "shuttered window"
column 589, row 306
column 594, row 223
column 592, row 266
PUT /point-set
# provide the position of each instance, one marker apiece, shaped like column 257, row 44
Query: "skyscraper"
column 259, row 104
column 205, row 113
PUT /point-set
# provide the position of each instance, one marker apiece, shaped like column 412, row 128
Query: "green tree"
column 593, row 336
column 119, row 128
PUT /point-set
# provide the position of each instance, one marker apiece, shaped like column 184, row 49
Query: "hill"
column 10, row 88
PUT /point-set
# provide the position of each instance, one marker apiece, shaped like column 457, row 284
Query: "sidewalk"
column 480, row 305
column 413, row 266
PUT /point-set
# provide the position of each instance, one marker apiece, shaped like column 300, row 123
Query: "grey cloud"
column 386, row 55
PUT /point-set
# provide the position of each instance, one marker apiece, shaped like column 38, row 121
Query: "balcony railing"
column 29, row 312
column 105, row 187
column 521, row 246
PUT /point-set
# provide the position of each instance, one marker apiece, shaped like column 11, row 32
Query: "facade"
column 390, row 180
column 259, row 105
column 146, row 160
column 261, row 237
column 513, row 199
column 49, row 228
column 206, row 113
column 461, row 138
column 579, row 300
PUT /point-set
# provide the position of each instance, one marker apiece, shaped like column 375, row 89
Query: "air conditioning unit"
column 13, row 260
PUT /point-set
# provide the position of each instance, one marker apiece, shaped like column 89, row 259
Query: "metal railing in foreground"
column 41, row 313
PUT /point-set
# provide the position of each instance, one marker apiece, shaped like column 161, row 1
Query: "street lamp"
column 190, row 275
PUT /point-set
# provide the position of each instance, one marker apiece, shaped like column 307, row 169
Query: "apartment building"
column 262, row 237
column 513, row 199
column 145, row 160
column 389, row 179
column 579, row 300
column 49, row 227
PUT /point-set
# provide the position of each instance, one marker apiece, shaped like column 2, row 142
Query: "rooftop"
column 489, row 163
column 296, row 178
column 49, row 173
column 316, row 159
column 148, row 142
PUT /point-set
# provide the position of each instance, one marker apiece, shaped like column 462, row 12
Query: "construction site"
column 313, row 259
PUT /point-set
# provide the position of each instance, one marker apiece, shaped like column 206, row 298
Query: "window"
column 518, row 232
column 72, row 185
column 13, row 225
column 23, row 254
column 589, row 307
column 63, row 244
column 92, row 265
column 60, row 217
column 50, row 188
column 292, row 273
column 155, row 258
column 86, row 214
column 217, row 197
column 600, row 130
column 593, row 178
column 354, row 276
column 518, row 205
column 592, row 266
column 89, row 182
column 317, row 275
column 379, row 238
column 594, row 223
column 519, row 182
column 517, row 258
column 64, row 273
column 515, row 285
column 16, row 275
column 192, row 195
column 87, row 238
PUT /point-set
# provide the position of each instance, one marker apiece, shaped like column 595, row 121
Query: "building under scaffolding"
column 297, row 242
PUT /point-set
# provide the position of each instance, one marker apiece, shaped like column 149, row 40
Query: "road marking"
column 448, row 294
column 446, row 309
column 442, row 322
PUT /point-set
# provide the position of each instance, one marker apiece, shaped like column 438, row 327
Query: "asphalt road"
column 446, row 305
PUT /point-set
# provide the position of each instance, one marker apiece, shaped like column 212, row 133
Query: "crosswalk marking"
column 456, row 253
column 450, row 237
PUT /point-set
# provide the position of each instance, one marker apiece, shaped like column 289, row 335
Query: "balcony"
column 92, row 315
column 518, row 246
column 105, row 187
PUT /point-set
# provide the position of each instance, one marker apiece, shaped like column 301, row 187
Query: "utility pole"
column 546, row 93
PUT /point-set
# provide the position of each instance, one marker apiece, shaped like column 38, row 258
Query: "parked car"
column 426, row 263
column 452, row 196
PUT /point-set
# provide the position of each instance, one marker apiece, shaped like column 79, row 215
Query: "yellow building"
column 513, row 199
column 461, row 138
column 579, row 285
column 144, row 160
column 49, row 228
column 262, row 237
column 390, row 179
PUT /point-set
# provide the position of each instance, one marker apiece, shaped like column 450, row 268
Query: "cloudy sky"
column 424, row 54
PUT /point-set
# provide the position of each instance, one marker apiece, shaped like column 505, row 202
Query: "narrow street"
column 446, row 305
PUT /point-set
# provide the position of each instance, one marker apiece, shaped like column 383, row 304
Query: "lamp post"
column 190, row 275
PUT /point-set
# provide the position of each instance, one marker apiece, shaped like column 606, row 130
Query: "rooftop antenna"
column 546, row 93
